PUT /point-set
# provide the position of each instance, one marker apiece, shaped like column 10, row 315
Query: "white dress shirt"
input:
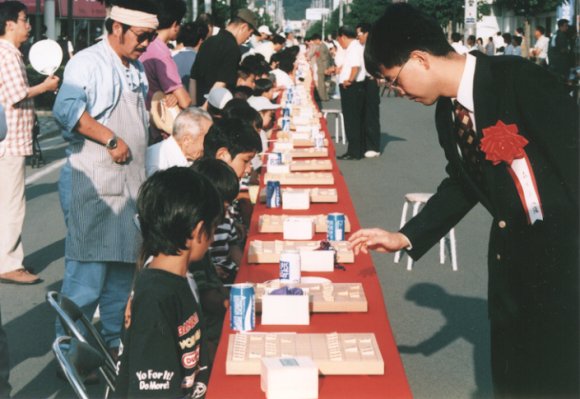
column 353, row 58
column 541, row 47
column 164, row 155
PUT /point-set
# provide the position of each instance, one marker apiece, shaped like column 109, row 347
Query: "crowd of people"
column 556, row 52
column 166, row 124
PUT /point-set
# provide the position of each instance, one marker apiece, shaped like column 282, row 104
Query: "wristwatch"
column 111, row 143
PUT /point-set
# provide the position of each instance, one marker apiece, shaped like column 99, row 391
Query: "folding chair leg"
column 403, row 220
column 342, row 128
column 453, row 249
column 442, row 250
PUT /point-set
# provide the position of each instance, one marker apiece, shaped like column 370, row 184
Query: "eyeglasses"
column 393, row 85
column 144, row 36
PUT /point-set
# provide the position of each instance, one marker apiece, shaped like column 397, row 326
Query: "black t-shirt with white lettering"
column 163, row 353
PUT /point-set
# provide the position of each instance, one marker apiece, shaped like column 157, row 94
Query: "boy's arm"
column 236, row 253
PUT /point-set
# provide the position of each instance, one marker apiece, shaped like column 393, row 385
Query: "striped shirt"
column 13, row 96
column 225, row 235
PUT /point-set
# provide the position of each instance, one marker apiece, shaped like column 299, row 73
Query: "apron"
column 104, row 194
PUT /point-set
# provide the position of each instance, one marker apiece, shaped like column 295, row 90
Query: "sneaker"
column 372, row 154
column 20, row 277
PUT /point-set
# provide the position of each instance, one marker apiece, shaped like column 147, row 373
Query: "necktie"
column 468, row 142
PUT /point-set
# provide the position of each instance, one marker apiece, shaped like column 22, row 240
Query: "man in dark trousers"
column 352, row 92
column 216, row 64
column 372, row 124
column 509, row 131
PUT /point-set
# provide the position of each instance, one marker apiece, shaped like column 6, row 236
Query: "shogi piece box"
column 310, row 165
column 301, row 178
column 317, row 261
column 317, row 194
column 296, row 199
column 280, row 146
column 286, row 310
column 289, row 377
column 298, row 228
column 279, row 169
column 310, row 152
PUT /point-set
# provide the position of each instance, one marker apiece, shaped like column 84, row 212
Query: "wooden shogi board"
column 309, row 152
column 317, row 195
column 298, row 142
column 311, row 165
column 333, row 353
column 301, row 178
column 261, row 251
column 275, row 223
column 324, row 297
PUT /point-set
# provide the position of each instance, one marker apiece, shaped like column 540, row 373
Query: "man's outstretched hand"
column 377, row 240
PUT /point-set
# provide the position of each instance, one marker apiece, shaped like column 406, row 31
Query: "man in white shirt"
column 457, row 44
column 352, row 92
column 184, row 146
column 540, row 50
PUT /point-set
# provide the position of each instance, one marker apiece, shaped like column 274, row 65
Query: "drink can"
column 273, row 194
column 242, row 307
column 285, row 124
column 319, row 141
column 335, row 226
column 286, row 112
column 275, row 158
column 290, row 267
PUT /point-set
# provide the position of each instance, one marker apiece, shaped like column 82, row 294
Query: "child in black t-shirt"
column 163, row 352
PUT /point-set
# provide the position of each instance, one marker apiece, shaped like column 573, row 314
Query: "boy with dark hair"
column 529, row 186
column 246, row 77
column 264, row 88
column 164, row 353
column 189, row 39
column 233, row 141
column 225, row 250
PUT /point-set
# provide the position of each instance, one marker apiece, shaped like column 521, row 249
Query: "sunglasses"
column 144, row 36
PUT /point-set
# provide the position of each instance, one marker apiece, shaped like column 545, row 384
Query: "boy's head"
column 178, row 210
column 246, row 77
column 192, row 34
column 265, row 108
column 241, row 109
column 171, row 12
column 242, row 92
column 221, row 175
column 405, row 46
column 264, row 88
column 233, row 141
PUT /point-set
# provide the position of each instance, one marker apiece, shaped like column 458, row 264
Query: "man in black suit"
column 509, row 131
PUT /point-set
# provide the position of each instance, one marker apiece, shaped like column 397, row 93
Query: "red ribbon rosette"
column 502, row 143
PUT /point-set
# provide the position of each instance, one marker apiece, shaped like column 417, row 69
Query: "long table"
column 393, row 384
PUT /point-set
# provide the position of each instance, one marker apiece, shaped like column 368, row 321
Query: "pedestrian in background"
column 16, row 97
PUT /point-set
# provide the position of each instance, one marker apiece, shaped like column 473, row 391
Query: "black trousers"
column 4, row 364
column 352, row 102
column 372, row 124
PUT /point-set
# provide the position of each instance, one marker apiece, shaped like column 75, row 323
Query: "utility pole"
column 340, row 12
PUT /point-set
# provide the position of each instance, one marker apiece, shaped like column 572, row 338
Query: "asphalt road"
column 438, row 316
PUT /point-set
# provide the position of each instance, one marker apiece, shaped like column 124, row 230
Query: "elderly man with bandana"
column 101, row 110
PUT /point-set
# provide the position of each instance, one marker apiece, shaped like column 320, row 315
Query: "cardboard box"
column 298, row 228
column 289, row 377
column 296, row 199
column 286, row 309
column 317, row 261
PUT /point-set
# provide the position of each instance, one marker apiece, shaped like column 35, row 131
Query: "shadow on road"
column 39, row 260
column 386, row 138
column 466, row 318
column 39, row 190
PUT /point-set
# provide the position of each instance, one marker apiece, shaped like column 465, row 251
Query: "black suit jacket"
column 528, row 265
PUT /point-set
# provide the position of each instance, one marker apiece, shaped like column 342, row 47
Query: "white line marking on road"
column 41, row 173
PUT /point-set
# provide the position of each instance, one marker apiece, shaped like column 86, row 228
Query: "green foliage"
column 330, row 25
column 443, row 10
column 296, row 9
column 530, row 8
column 222, row 12
column 365, row 11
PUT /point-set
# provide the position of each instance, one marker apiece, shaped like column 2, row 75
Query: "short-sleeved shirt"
column 353, row 57
column 18, row 108
column 216, row 61
column 184, row 60
column 161, row 70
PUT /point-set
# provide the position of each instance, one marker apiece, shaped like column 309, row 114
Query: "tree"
column 446, row 12
column 365, row 11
